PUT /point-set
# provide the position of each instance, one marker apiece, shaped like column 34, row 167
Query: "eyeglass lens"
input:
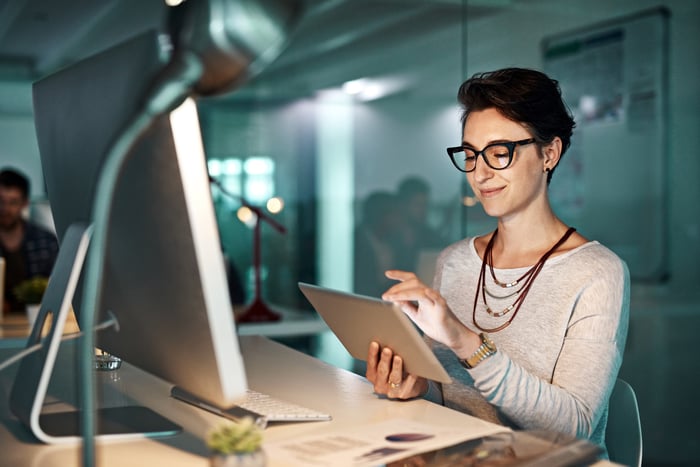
column 497, row 156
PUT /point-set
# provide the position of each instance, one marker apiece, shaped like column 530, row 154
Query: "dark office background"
column 295, row 135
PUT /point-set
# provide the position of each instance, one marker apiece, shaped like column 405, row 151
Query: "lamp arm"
column 171, row 90
column 257, row 210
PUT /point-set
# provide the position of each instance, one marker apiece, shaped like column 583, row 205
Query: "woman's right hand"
column 385, row 371
column 429, row 310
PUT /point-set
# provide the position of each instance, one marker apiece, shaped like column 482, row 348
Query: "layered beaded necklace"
column 525, row 281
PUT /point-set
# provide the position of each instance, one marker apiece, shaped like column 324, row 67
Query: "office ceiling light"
column 355, row 87
column 366, row 89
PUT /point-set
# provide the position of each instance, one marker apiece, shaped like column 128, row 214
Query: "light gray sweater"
column 558, row 360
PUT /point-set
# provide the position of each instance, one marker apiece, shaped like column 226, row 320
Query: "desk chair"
column 623, row 435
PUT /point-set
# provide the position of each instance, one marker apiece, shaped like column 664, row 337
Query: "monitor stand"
column 32, row 380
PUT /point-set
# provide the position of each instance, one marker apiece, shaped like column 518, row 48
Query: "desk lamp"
column 217, row 45
column 258, row 310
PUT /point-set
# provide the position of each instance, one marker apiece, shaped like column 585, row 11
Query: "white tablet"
column 358, row 320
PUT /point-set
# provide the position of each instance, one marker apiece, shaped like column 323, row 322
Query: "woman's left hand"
column 385, row 372
column 429, row 310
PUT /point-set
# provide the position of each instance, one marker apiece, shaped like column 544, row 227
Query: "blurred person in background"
column 28, row 249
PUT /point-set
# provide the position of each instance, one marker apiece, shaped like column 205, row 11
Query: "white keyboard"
column 262, row 407
column 276, row 410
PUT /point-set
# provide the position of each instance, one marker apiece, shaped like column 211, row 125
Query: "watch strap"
column 485, row 350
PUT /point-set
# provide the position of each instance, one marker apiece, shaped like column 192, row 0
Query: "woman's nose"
column 481, row 170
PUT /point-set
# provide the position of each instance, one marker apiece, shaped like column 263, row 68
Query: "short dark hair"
column 11, row 178
column 522, row 95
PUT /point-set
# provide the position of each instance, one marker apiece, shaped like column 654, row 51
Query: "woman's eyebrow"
column 495, row 141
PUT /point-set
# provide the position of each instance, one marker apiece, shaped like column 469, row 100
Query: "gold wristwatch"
column 485, row 350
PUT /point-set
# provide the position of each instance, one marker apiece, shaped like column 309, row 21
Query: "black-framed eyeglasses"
column 498, row 156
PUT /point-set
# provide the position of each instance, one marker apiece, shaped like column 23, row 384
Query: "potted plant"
column 30, row 292
column 237, row 444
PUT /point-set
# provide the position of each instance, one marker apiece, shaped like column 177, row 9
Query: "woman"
column 531, row 319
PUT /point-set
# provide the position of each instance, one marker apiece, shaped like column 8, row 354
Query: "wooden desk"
column 14, row 329
column 271, row 368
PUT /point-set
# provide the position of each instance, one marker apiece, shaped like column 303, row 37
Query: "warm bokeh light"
column 470, row 201
column 275, row 205
column 247, row 216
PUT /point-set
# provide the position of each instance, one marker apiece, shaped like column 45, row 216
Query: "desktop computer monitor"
column 164, row 278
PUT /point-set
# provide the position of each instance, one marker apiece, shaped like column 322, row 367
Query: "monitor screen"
column 164, row 278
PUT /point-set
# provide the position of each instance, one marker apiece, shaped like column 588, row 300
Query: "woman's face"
column 505, row 193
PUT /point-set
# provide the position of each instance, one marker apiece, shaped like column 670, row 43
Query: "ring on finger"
column 394, row 385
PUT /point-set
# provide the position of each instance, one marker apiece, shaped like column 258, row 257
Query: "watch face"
column 486, row 339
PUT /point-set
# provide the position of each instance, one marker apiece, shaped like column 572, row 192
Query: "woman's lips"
column 490, row 192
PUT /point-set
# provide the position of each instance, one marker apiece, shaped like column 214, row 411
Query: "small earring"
column 546, row 170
